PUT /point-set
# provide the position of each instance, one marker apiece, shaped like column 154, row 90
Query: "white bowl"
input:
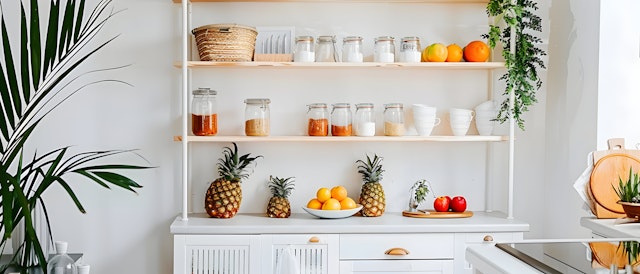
column 332, row 214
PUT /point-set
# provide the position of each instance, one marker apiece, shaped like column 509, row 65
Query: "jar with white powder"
column 304, row 49
column 365, row 121
column 352, row 49
column 384, row 49
column 410, row 51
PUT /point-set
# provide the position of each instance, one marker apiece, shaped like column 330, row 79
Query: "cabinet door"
column 309, row 254
column 464, row 239
column 228, row 254
column 396, row 266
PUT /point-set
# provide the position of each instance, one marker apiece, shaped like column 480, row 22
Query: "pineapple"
column 224, row 195
column 279, row 206
column 372, row 194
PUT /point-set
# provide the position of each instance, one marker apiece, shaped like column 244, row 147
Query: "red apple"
column 441, row 204
column 458, row 204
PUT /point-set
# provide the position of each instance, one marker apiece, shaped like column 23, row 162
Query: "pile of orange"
column 475, row 51
column 335, row 198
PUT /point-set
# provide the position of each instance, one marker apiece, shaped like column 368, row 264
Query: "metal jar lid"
column 384, row 39
column 257, row 101
column 304, row 39
column 317, row 105
column 204, row 91
column 352, row 39
column 364, row 105
column 393, row 105
column 341, row 105
column 326, row 39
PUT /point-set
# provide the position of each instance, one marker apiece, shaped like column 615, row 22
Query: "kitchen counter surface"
column 390, row 222
column 612, row 228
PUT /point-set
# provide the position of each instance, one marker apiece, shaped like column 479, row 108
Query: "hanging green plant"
column 523, row 63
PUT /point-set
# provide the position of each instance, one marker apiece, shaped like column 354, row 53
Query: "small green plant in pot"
column 629, row 194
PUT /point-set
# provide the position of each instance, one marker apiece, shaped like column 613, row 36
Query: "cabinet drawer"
column 417, row 246
column 313, row 254
column 396, row 266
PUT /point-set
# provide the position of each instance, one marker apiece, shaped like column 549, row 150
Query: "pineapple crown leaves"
column 628, row 191
column 281, row 187
column 234, row 168
column 371, row 170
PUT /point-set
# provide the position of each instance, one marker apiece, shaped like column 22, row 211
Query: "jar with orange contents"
column 318, row 120
column 204, row 116
column 341, row 120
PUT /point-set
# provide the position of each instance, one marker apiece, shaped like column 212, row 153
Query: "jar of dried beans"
column 318, row 119
column 204, row 116
column 256, row 116
column 341, row 120
column 394, row 119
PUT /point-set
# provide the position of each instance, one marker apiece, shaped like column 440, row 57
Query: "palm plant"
column 39, row 80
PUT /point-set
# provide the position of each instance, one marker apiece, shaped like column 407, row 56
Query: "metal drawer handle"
column 314, row 239
column 398, row 251
column 488, row 238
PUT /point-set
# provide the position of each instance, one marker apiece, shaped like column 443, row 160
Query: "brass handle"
column 314, row 239
column 398, row 251
column 488, row 238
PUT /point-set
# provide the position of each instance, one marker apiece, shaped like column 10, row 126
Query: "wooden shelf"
column 348, row 1
column 468, row 138
column 369, row 65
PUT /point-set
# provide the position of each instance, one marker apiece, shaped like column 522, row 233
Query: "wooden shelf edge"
column 374, row 65
column 345, row 1
column 468, row 138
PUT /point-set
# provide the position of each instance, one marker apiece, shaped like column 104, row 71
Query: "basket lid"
column 223, row 27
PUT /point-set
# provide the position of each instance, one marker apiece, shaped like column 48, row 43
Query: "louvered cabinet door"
column 308, row 254
column 216, row 254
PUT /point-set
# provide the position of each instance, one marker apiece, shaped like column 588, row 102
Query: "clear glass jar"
column 304, row 49
column 256, row 116
column 318, row 120
column 394, row 119
column 341, row 120
column 365, row 120
column 61, row 263
column 326, row 49
column 204, row 116
column 410, row 50
column 352, row 49
column 384, row 49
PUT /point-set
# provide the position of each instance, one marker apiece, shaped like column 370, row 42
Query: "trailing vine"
column 522, row 65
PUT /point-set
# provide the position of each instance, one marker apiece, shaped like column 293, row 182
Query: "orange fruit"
column 454, row 53
column 347, row 203
column 314, row 204
column 323, row 194
column 476, row 51
column 436, row 52
column 338, row 193
column 331, row 204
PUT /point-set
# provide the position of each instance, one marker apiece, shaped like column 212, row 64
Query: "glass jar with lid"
column 256, row 114
column 410, row 50
column 384, row 49
column 326, row 49
column 304, row 49
column 341, row 120
column 352, row 49
column 365, row 123
column 318, row 120
column 394, row 119
column 204, row 116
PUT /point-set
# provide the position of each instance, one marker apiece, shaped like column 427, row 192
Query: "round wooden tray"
column 434, row 214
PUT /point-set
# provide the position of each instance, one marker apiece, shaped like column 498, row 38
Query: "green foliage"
column 420, row 190
column 628, row 191
column 35, row 79
column 281, row 187
column 522, row 66
column 371, row 170
column 232, row 167
column 631, row 249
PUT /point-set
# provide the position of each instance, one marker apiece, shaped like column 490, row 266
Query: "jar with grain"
column 365, row 123
column 341, row 120
column 318, row 120
column 204, row 116
column 394, row 119
column 256, row 116
column 384, row 49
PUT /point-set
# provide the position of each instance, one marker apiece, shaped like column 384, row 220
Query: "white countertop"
column 612, row 228
column 390, row 222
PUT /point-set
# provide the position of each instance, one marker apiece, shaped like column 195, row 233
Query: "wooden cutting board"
column 435, row 214
column 611, row 166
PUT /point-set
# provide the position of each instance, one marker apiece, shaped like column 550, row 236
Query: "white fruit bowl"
column 332, row 214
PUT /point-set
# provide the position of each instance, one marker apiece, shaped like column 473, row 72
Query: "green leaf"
column 35, row 48
column 11, row 77
column 24, row 63
column 51, row 44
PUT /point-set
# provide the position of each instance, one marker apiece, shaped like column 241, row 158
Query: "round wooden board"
column 434, row 214
column 606, row 175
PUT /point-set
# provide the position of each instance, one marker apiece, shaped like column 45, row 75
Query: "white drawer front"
column 309, row 254
column 418, row 246
column 397, row 267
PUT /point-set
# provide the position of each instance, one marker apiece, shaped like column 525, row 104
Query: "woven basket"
column 225, row 42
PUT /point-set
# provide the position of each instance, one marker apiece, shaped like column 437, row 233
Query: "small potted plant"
column 629, row 194
column 418, row 193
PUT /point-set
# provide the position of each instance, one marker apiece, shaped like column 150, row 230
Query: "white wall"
column 126, row 233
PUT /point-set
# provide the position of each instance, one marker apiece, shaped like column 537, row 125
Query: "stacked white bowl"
column 486, row 112
column 424, row 119
column 460, row 120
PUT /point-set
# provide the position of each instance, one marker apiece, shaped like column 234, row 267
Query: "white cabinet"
column 227, row 254
column 397, row 267
column 313, row 254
